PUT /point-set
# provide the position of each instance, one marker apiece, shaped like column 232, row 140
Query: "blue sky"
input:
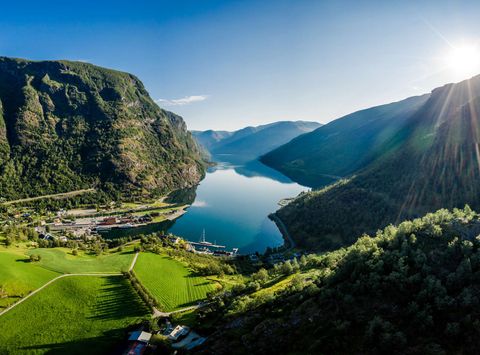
column 228, row 64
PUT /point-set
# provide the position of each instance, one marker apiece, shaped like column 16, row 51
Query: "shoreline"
column 287, row 238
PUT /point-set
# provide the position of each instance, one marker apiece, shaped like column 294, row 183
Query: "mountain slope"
column 436, row 164
column 70, row 125
column 343, row 146
column 251, row 142
column 375, row 297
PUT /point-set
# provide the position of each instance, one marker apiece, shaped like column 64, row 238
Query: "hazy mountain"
column 251, row 142
column 432, row 162
column 70, row 125
column 343, row 146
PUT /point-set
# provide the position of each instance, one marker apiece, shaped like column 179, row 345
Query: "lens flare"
column 464, row 61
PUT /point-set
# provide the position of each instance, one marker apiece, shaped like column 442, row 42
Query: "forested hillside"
column 251, row 142
column 71, row 125
column 345, row 145
column 434, row 162
column 410, row 289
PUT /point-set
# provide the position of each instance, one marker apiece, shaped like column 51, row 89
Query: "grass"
column 61, row 260
column 18, row 276
column 74, row 315
column 170, row 282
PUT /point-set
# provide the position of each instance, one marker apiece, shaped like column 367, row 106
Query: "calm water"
column 232, row 204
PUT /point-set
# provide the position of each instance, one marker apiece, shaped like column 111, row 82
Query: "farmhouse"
column 178, row 331
column 138, row 343
column 140, row 336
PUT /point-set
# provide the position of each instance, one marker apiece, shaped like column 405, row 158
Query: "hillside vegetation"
column 345, row 145
column 433, row 163
column 410, row 289
column 67, row 126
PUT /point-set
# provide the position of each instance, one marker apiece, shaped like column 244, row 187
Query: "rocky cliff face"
column 69, row 125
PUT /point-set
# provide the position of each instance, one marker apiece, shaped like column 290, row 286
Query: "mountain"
column 433, row 161
column 343, row 146
column 409, row 289
column 251, row 142
column 70, row 125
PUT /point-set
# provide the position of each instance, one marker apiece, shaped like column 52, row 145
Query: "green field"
column 18, row 276
column 61, row 260
column 173, row 285
column 74, row 315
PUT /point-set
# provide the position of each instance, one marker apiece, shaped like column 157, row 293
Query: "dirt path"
column 157, row 313
column 134, row 261
column 49, row 283
column 56, row 196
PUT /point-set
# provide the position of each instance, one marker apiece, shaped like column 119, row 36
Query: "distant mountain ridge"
column 71, row 125
column 432, row 162
column 251, row 142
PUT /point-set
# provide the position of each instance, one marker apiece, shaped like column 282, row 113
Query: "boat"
column 126, row 225
column 203, row 241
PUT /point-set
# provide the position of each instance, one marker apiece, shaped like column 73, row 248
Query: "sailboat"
column 202, row 239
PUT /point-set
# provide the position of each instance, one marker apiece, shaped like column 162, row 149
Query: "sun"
column 464, row 60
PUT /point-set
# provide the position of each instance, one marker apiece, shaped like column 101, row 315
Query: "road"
column 132, row 265
column 49, row 283
column 157, row 313
column 57, row 196
column 134, row 261
column 283, row 229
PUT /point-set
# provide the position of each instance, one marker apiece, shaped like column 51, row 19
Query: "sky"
column 230, row 64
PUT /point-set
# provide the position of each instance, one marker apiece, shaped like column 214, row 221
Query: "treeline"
column 200, row 264
column 409, row 289
column 144, row 294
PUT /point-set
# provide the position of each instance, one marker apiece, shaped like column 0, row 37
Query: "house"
column 174, row 240
column 140, row 336
column 108, row 221
column 178, row 332
column 45, row 236
column 138, row 342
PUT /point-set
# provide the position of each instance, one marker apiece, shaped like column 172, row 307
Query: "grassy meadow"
column 61, row 260
column 170, row 282
column 74, row 315
column 18, row 276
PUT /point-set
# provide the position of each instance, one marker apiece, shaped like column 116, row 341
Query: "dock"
column 208, row 245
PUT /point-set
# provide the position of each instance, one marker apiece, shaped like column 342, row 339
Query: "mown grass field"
column 61, row 260
column 170, row 282
column 18, row 276
column 74, row 315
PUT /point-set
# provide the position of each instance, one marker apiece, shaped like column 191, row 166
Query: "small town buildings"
column 140, row 336
column 178, row 332
column 138, row 342
column 107, row 221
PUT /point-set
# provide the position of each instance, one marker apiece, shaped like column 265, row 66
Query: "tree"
column 287, row 268
column 35, row 257
column 261, row 276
